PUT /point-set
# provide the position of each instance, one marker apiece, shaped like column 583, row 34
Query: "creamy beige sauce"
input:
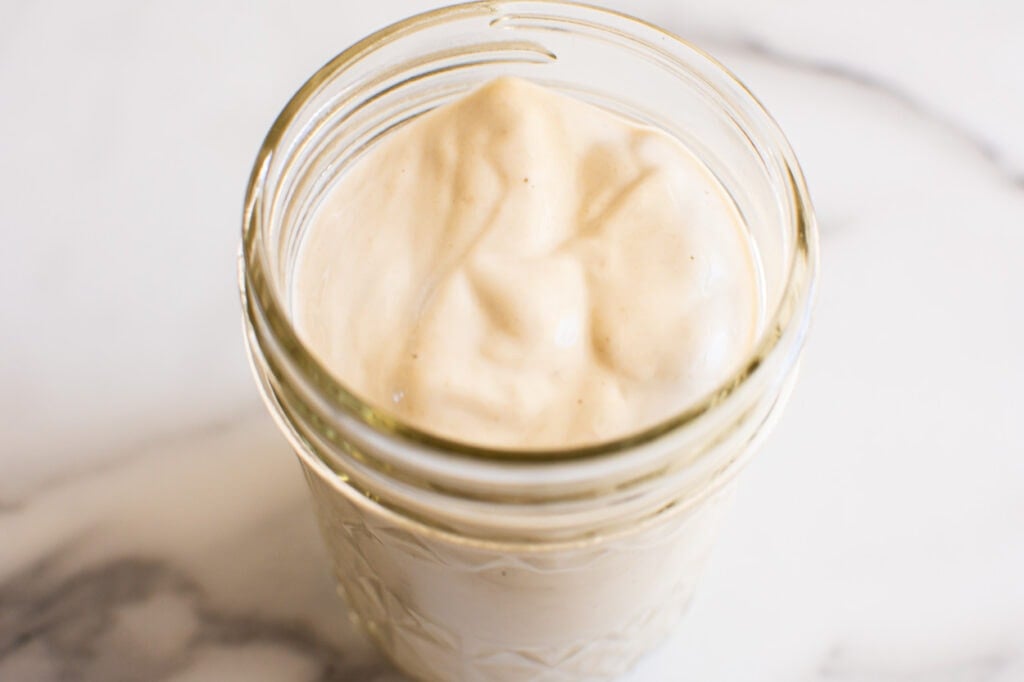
column 520, row 269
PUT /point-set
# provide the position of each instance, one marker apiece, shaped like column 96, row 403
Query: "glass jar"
column 465, row 563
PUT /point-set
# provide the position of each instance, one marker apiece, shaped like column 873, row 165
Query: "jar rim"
column 792, row 308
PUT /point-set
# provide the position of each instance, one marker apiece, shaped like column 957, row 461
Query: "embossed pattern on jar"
column 414, row 591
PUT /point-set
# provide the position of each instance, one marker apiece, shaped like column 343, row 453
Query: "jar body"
column 465, row 564
column 446, row 609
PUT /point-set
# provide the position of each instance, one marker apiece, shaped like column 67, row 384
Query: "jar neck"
column 452, row 487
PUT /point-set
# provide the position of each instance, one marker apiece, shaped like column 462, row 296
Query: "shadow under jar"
column 465, row 563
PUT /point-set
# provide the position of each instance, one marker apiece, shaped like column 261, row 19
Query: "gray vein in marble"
column 127, row 453
column 846, row 73
column 73, row 623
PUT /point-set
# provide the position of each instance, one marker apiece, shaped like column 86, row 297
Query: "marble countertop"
column 153, row 525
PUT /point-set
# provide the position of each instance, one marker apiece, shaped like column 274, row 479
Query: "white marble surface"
column 154, row 527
